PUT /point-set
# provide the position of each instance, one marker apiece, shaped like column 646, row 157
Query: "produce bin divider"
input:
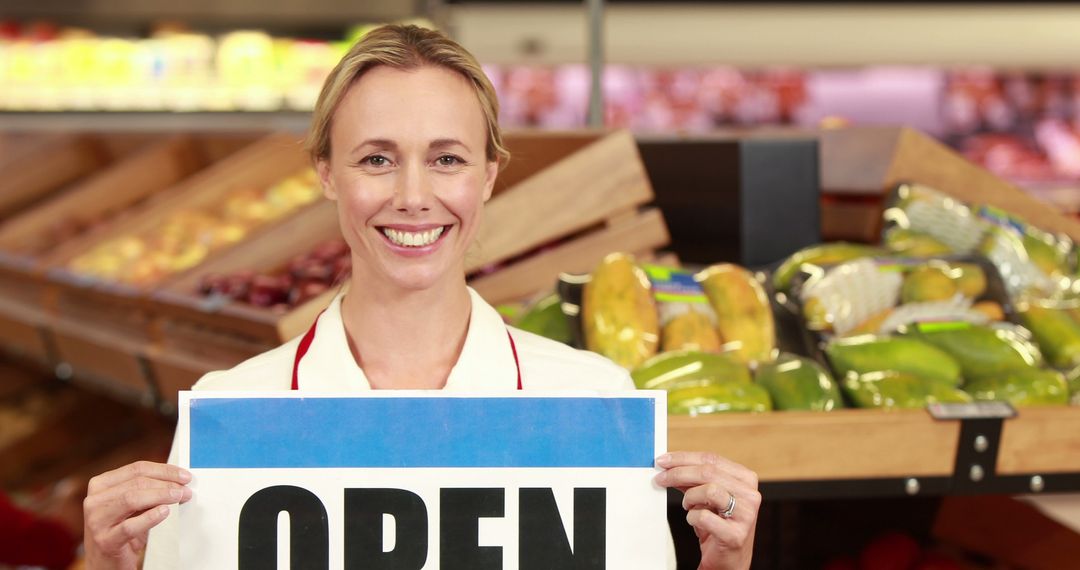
column 976, row 455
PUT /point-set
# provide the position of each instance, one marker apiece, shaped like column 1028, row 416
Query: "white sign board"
column 412, row 480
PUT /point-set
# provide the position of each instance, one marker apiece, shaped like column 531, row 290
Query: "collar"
column 486, row 361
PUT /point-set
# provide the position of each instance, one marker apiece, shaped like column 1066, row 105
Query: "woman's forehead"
column 421, row 105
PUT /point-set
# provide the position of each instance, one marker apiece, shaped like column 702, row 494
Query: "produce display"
column 1039, row 270
column 697, row 335
column 884, row 329
column 305, row 277
column 1033, row 263
column 880, row 294
column 904, row 332
column 186, row 237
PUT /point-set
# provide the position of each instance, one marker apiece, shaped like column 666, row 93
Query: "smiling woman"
column 406, row 142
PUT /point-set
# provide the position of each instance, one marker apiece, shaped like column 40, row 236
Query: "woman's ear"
column 323, row 168
column 489, row 181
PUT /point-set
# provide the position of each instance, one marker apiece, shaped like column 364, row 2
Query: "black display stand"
column 751, row 200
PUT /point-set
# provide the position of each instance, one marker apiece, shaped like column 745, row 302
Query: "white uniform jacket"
column 486, row 363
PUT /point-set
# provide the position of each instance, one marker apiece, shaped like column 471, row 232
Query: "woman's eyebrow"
column 446, row 143
column 381, row 144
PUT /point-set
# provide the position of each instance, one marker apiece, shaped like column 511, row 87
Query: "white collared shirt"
column 486, row 363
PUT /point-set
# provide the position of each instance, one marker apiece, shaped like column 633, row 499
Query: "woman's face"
column 409, row 172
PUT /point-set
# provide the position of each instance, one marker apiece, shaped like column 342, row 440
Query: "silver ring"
column 730, row 510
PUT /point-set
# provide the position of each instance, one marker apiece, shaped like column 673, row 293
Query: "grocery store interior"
column 854, row 226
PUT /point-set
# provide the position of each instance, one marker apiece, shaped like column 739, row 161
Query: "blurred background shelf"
column 150, row 121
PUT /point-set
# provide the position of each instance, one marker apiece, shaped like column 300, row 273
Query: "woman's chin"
column 417, row 278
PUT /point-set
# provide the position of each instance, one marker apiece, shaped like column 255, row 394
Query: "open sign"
column 406, row 480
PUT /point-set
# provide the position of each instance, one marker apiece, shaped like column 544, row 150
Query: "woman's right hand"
column 122, row 506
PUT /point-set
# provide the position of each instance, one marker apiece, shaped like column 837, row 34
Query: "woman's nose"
column 413, row 192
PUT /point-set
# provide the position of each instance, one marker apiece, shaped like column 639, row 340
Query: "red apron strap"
column 305, row 344
column 517, row 363
column 309, row 336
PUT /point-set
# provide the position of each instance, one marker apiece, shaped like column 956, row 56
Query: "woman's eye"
column 375, row 160
column 448, row 160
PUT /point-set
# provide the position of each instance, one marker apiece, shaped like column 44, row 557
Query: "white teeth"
column 413, row 239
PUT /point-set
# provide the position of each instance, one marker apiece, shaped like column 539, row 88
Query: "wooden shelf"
column 846, row 444
column 807, row 454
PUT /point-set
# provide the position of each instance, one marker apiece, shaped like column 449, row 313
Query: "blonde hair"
column 403, row 47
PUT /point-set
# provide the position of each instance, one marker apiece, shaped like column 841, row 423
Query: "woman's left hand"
column 722, row 501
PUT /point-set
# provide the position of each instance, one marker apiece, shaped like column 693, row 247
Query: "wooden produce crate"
column 40, row 165
column 839, row 445
column 70, row 215
column 26, row 238
column 564, row 201
column 103, row 329
column 199, row 334
column 866, row 452
column 31, row 233
column 142, row 176
column 1041, row 441
column 860, row 166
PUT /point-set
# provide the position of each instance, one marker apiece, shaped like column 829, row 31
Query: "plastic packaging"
column 1034, row 264
column 880, row 295
column 687, row 321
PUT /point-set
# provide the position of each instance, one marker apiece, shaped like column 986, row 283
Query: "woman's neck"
column 406, row 340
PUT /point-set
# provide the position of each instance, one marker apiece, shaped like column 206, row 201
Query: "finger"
column 730, row 533
column 711, row 496
column 686, row 477
column 108, row 508
column 686, row 458
column 132, row 529
column 149, row 469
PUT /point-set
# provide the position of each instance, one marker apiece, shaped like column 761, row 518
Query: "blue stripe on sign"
column 421, row 432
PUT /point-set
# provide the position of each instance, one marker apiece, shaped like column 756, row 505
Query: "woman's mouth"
column 418, row 239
